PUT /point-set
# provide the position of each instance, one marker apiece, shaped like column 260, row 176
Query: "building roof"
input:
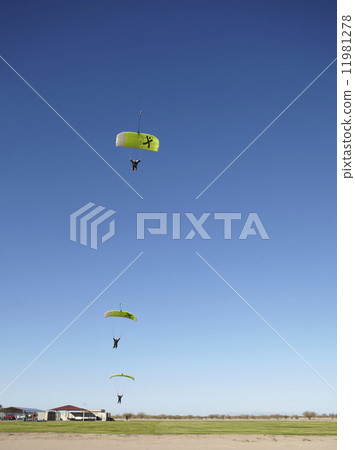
column 68, row 408
column 18, row 410
column 12, row 409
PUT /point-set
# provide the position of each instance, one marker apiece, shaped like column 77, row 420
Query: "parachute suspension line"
column 120, row 310
column 131, row 153
column 139, row 122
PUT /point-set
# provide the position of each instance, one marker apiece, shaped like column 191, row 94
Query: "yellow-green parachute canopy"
column 122, row 375
column 125, row 314
column 142, row 141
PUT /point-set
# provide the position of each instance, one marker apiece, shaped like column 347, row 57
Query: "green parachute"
column 142, row 141
column 120, row 313
column 122, row 375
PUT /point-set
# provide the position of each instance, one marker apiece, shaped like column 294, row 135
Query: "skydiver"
column 119, row 398
column 135, row 163
column 115, row 342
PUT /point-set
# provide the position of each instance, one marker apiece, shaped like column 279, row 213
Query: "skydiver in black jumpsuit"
column 119, row 398
column 115, row 342
column 135, row 163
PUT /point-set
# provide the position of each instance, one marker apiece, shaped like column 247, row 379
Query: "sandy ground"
column 55, row 441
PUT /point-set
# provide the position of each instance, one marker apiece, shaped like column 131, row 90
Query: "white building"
column 70, row 412
column 47, row 416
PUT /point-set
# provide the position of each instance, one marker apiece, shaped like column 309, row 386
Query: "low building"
column 71, row 412
column 102, row 414
column 19, row 413
column 48, row 416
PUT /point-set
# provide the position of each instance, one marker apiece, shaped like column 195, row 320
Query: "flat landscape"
column 175, row 435
column 159, row 427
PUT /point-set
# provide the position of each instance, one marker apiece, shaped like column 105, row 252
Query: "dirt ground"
column 55, row 441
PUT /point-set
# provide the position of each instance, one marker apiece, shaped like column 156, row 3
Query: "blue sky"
column 209, row 78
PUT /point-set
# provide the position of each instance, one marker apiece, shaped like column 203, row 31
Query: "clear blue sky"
column 209, row 78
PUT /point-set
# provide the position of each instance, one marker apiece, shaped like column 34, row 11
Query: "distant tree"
column 140, row 415
column 309, row 414
column 162, row 417
column 128, row 416
column 333, row 416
